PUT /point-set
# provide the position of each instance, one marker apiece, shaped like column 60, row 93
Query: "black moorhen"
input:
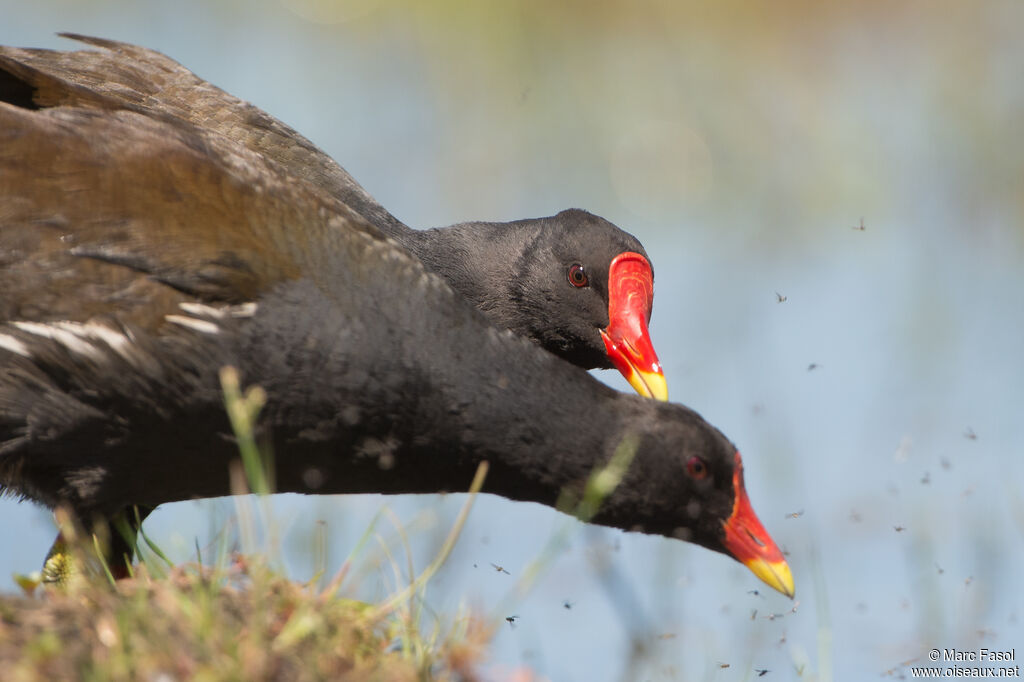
column 574, row 283
column 138, row 256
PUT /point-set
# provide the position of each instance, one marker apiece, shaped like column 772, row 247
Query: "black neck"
column 424, row 423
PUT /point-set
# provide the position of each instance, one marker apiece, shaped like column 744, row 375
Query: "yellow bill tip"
column 775, row 574
column 649, row 384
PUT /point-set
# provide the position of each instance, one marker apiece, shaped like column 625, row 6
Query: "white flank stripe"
column 244, row 310
column 202, row 326
column 97, row 332
column 202, row 310
column 69, row 339
column 12, row 344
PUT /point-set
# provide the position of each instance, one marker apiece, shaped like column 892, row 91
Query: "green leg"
column 118, row 534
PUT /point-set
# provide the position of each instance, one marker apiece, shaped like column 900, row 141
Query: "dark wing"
column 124, row 76
column 201, row 217
column 136, row 256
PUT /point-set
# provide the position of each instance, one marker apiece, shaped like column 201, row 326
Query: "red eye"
column 578, row 276
column 696, row 468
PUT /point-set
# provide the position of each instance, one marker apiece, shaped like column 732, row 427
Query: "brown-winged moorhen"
column 139, row 254
column 574, row 283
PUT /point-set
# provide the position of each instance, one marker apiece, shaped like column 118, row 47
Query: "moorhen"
column 575, row 283
column 139, row 255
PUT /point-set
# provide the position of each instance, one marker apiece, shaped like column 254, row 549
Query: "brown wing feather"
column 124, row 76
column 90, row 199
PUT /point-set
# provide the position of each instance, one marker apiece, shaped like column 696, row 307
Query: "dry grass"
column 241, row 622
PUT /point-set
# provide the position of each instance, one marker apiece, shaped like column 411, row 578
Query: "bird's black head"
column 563, row 280
column 574, row 283
column 685, row 480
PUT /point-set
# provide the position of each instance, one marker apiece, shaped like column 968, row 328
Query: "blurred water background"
column 879, row 406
